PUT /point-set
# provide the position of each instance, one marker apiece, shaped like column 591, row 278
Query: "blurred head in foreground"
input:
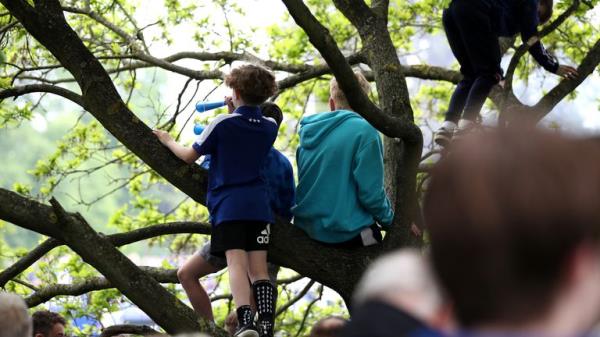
column 514, row 223
column 14, row 319
column 330, row 326
column 404, row 280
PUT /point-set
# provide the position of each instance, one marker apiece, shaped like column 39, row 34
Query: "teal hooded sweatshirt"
column 340, row 177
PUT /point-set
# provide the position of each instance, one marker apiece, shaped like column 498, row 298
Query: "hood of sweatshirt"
column 315, row 128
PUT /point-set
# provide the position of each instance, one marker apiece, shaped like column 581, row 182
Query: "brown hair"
column 338, row 95
column 545, row 10
column 272, row 110
column 255, row 83
column 505, row 210
column 325, row 328
column 44, row 321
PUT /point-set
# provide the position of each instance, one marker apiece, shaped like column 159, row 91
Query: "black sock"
column 244, row 314
column 265, row 295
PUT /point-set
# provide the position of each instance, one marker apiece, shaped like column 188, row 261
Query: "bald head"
column 14, row 319
column 403, row 279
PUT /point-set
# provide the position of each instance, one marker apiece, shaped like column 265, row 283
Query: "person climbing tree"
column 472, row 29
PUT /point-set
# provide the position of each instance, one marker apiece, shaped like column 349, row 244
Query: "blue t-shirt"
column 279, row 175
column 238, row 144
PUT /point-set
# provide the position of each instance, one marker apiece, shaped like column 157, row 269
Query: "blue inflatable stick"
column 206, row 106
column 198, row 128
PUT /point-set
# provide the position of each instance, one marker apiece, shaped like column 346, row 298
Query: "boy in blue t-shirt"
column 237, row 197
column 279, row 176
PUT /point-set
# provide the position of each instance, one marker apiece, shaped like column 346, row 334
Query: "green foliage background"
column 79, row 162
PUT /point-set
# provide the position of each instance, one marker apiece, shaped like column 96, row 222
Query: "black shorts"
column 245, row 235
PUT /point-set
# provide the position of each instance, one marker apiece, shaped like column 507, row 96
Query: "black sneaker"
column 246, row 331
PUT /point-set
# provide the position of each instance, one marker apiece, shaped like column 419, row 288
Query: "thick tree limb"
column 142, row 330
column 33, row 88
column 100, row 97
column 132, row 282
column 381, row 8
column 28, row 214
column 402, row 158
column 320, row 37
column 99, row 252
column 118, row 240
column 426, row 72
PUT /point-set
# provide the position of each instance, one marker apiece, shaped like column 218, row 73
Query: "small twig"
column 26, row 284
column 307, row 312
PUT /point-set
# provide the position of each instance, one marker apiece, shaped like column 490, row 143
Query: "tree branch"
column 33, row 88
column 320, row 37
column 566, row 86
column 296, row 298
column 520, row 52
column 93, row 284
column 165, row 276
column 132, row 282
column 314, row 72
column 142, row 330
column 381, row 8
column 8, row 27
column 118, row 240
column 103, row 21
column 27, row 260
column 195, row 74
column 101, row 98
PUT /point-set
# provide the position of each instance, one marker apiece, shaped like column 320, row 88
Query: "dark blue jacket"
column 521, row 16
column 279, row 175
column 238, row 144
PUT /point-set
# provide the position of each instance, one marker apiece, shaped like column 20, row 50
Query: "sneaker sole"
column 442, row 141
column 248, row 333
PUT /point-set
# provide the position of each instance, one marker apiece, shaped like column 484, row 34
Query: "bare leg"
column 257, row 269
column 237, row 264
column 189, row 274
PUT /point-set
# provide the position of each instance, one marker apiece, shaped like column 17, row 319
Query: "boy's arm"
column 288, row 193
column 368, row 175
column 530, row 35
column 187, row 154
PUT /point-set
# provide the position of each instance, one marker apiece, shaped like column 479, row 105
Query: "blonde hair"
column 338, row 95
column 15, row 321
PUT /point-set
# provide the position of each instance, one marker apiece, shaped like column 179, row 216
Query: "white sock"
column 464, row 123
column 449, row 125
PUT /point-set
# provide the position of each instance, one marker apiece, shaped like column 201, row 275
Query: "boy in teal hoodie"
column 340, row 198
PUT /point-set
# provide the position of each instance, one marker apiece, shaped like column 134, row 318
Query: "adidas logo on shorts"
column 264, row 236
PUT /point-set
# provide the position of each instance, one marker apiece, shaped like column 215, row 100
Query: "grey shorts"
column 220, row 263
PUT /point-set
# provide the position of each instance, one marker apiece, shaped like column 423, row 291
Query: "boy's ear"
column 331, row 104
